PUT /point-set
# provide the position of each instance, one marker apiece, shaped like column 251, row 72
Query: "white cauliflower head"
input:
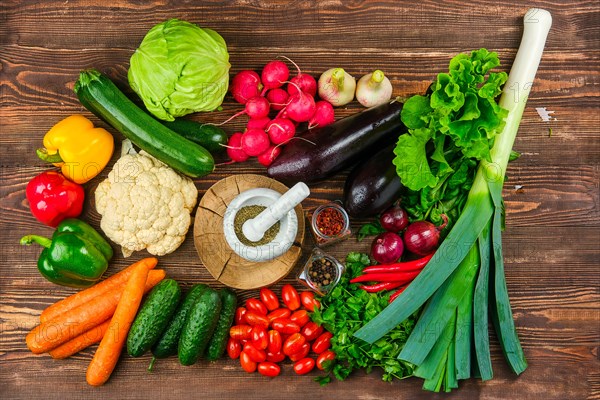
column 145, row 204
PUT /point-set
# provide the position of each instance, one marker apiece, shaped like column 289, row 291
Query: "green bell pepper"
column 76, row 256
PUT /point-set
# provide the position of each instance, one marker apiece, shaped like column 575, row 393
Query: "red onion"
column 387, row 248
column 423, row 237
column 394, row 219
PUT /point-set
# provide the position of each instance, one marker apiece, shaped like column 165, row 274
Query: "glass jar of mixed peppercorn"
column 321, row 272
column 330, row 223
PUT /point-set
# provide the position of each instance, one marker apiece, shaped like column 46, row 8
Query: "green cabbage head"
column 179, row 69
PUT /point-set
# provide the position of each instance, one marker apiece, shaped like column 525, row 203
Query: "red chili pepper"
column 399, row 267
column 387, row 277
column 397, row 293
column 378, row 287
column 52, row 198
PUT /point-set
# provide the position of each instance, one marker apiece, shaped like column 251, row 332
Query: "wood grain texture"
column 551, row 245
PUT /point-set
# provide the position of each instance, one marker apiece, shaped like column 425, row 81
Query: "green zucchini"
column 153, row 317
column 211, row 137
column 101, row 96
column 218, row 342
column 167, row 344
column 199, row 327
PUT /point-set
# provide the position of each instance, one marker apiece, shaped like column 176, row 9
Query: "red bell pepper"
column 52, row 198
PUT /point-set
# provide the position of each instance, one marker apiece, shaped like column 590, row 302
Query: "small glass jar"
column 321, row 272
column 329, row 223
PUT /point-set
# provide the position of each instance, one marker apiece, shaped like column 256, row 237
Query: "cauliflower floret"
column 145, row 205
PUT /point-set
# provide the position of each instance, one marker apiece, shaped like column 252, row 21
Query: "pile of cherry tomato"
column 266, row 332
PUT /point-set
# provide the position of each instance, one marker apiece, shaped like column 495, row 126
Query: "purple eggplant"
column 373, row 186
column 324, row 151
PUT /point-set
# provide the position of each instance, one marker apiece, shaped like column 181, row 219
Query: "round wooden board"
column 216, row 255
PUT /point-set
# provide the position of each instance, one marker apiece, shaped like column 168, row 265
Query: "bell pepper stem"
column 30, row 239
column 51, row 158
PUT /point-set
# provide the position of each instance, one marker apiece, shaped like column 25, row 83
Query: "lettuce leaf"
column 458, row 120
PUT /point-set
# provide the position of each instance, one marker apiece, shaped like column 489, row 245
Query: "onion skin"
column 337, row 87
column 422, row 237
column 373, row 89
column 394, row 219
column 387, row 248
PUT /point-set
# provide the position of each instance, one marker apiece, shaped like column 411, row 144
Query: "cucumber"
column 153, row 317
column 167, row 344
column 218, row 342
column 101, row 96
column 211, row 137
column 199, row 327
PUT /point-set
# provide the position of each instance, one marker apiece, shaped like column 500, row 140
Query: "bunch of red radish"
column 293, row 101
column 266, row 332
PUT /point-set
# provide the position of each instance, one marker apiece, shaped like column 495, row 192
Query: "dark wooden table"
column 551, row 244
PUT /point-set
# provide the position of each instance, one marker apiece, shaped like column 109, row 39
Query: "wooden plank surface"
column 552, row 240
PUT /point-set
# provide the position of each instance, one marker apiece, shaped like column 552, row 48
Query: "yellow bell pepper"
column 78, row 148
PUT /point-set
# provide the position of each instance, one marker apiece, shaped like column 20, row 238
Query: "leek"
column 477, row 231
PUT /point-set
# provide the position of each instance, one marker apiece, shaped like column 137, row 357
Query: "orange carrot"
column 81, row 342
column 96, row 334
column 73, row 323
column 117, row 280
column 108, row 352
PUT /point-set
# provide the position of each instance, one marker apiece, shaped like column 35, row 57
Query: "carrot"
column 108, row 352
column 96, row 334
column 78, row 320
column 117, row 280
column 81, row 342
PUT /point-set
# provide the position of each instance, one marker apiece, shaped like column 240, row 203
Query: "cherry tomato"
column 304, row 366
column 308, row 300
column 311, row 331
column 322, row 343
column 240, row 332
column 269, row 369
column 279, row 313
column 256, row 306
column 239, row 316
column 260, row 338
column 290, row 297
column 293, row 344
column 275, row 357
column 253, row 319
column 275, row 342
column 325, row 359
column 255, row 354
column 269, row 299
column 285, row 325
column 302, row 353
column 247, row 364
column 234, row 348
column 300, row 317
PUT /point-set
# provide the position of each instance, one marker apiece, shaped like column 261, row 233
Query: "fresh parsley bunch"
column 346, row 309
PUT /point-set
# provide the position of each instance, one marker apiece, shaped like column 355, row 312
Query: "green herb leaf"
column 343, row 311
column 370, row 229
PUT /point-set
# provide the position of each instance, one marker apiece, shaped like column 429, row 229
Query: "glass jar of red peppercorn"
column 330, row 223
